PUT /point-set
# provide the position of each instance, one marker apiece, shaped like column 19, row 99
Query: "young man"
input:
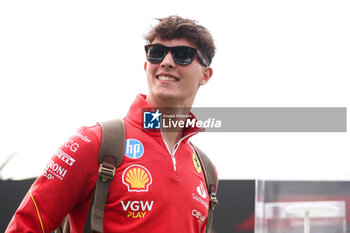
column 159, row 187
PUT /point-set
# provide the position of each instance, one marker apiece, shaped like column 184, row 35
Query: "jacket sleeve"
column 67, row 180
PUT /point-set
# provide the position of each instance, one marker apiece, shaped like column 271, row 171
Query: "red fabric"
column 147, row 194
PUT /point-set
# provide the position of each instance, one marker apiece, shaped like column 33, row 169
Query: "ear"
column 145, row 65
column 207, row 73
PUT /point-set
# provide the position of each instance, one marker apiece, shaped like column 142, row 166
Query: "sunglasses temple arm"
column 201, row 59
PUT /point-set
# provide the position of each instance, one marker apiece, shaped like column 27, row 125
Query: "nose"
column 168, row 61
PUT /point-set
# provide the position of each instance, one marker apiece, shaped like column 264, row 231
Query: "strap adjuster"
column 213, row 200
column 106, row 173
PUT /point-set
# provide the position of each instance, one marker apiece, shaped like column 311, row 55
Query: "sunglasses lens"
column 156, row 53
column 183, row 55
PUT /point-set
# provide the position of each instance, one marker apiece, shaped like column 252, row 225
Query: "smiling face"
column 171, row 84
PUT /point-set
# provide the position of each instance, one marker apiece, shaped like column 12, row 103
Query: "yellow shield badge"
column 196, row 163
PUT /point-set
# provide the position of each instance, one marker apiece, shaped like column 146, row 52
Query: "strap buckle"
column 213, row 200
column 106, row 173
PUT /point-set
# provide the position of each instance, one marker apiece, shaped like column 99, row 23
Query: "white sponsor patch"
column 82, row 137
column 198, row 215
column 137, row 209
column 64, row 157
column 200, row 200
column 54, row 170
column 73, row 146
column 201, row 190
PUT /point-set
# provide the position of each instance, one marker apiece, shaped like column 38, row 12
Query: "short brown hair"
column 173, row 27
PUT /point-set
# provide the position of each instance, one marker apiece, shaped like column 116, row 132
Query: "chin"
column 168, row 96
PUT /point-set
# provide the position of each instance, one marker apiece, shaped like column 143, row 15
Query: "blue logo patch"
column 151, row 120
column 133, row 148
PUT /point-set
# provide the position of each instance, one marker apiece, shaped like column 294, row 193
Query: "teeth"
column 167, row 78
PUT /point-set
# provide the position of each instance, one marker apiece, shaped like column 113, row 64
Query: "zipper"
column 176, row 146
column 172, row 153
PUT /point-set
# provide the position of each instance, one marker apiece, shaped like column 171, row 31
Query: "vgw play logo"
column 152, row 120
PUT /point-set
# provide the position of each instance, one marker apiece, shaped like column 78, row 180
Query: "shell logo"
column 137, row 178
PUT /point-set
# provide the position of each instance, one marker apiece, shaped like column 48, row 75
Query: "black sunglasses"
column 182, row 55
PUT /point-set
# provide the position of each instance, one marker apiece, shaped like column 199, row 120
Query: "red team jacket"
column 154, row 189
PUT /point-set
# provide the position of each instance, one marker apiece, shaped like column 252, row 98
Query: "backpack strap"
column 212, row 183
column 110, row 156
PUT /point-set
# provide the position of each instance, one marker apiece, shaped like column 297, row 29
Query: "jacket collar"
column 135, row 115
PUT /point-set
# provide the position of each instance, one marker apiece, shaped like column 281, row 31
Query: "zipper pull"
column 174, row 161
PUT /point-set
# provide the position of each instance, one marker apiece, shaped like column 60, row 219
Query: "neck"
column 174, row 133
column 168, row 102
column 175, row 111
